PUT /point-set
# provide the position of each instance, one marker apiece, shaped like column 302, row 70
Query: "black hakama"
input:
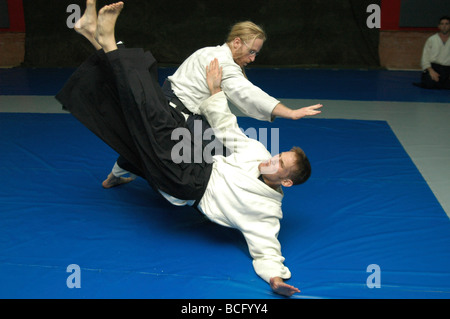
column 117, row 96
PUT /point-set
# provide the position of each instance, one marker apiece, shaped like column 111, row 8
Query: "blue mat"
column 284, row 83
column 366, row 203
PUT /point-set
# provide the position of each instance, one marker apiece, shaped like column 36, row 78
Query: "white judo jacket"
column 236, row 198
column 189, row 84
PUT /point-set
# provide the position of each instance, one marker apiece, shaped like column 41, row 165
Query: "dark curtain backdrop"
column 306, row 33
column 4, row 18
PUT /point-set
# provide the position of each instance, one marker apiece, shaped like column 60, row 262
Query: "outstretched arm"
column 214, row 80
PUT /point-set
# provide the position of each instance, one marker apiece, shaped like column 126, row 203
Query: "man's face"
column 444, row 26
column 279, row 167
column 245, row 53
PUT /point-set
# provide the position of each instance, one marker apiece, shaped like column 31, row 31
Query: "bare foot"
column 106, row 22
column 87, row 24
column 112, row 181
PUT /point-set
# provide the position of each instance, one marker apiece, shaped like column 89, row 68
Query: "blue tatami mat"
column 365, row 204
column 283, row 83
column 358, row 85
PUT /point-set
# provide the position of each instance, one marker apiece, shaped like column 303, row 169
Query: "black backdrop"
column 320, row 33
column 423, row 13
column 4, row 18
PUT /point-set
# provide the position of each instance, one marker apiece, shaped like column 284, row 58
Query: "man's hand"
column 433, row 74
column 280, row 287
column 306, row 111
column 214, row 77
column 285, row 112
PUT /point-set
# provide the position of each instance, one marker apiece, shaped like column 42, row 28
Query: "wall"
column 400, row 47
column 12, row 39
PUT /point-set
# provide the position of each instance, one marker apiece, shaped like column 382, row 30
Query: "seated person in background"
column 436, row 58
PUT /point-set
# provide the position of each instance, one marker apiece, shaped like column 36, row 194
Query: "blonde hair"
column 246, row 30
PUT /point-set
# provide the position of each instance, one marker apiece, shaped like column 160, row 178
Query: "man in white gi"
column 250, row 180
column 244, row 43
column 436, row 58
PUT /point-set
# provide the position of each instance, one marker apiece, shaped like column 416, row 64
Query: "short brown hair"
column 302, row 171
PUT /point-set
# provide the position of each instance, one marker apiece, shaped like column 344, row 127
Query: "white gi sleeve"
column 265, row 249
column 223, row 122
column 247, row 97
column 427, row 54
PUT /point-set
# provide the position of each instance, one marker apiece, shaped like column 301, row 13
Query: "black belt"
column 171, row 97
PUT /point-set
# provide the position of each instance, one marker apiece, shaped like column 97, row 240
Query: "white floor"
column 422, row 128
